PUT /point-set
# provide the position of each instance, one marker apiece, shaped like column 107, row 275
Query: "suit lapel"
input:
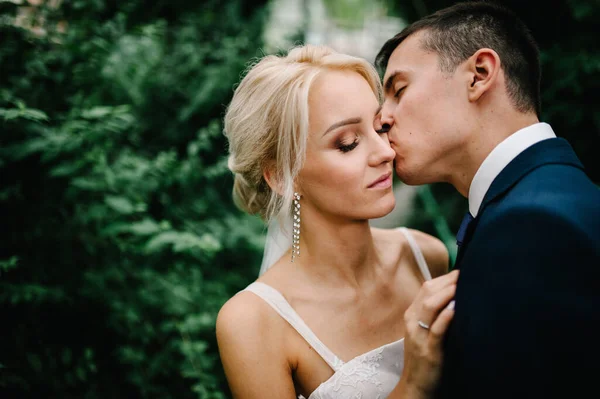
column 550, row 151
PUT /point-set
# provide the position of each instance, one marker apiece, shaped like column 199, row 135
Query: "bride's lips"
column 384, row 181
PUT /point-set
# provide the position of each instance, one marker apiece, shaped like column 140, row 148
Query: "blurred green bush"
column 120, row 240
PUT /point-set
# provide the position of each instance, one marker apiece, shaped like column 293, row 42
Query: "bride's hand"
column 426, row 321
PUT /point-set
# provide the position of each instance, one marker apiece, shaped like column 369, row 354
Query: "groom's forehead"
column 404, row 53
column 407, row 62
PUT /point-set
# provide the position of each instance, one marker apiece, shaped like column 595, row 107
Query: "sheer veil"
column 278, row 241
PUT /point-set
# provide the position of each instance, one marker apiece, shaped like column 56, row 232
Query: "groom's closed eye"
column 399, row 92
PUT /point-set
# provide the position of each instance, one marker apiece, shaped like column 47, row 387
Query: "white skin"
column 443, row 125
column 352, row 284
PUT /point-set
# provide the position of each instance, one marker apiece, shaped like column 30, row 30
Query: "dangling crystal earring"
column 296, row 238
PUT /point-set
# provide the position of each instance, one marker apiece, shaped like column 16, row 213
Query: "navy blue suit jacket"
column 527, row 320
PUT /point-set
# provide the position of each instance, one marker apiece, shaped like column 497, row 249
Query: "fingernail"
column 450, row 305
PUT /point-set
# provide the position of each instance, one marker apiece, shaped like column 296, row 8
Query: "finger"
column 440, row 325
column 448, row 278
column 431, row 287
column 438, row 283
column 434, row 304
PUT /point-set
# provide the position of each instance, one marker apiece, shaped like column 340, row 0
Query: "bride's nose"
column 382, row 152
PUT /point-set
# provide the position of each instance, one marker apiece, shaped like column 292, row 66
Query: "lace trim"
column 359, row 374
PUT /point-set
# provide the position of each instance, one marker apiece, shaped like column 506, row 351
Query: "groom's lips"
column 384, row 181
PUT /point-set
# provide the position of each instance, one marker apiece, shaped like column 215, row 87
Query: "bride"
column 340, row 309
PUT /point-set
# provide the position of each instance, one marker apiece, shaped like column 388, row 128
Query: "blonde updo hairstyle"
column 266, row 123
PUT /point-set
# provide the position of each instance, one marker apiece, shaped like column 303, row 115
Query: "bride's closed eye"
column 347, row 144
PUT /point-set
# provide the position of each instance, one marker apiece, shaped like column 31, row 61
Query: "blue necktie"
column 460, row 236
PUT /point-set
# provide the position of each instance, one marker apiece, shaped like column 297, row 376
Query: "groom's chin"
column 403, row 175
column 410, row 178
column 409, row 174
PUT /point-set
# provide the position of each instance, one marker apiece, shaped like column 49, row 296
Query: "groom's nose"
column 386, row 121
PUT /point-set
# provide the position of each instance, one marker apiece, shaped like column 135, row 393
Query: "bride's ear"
column 270, row 176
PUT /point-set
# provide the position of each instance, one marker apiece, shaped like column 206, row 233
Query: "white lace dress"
column 372, row 375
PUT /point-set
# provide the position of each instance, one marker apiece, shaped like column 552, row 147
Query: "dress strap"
column 417, row 252
column 285, row 310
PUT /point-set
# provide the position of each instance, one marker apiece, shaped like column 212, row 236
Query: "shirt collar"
column 501, row 156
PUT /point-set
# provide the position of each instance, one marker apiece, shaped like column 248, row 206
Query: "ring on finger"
column 423, row 325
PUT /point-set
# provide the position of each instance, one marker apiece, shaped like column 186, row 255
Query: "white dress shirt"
column 501, row 156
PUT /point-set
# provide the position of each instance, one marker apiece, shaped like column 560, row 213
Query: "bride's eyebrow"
column 349, row 121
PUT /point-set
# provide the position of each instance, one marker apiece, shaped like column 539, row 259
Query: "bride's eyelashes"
column 346, row 145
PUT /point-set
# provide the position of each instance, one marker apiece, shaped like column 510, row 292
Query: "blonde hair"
column 266, row 123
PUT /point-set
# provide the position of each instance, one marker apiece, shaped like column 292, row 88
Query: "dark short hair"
column 455, row 33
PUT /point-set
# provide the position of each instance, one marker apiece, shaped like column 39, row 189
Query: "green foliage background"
column 120, row 241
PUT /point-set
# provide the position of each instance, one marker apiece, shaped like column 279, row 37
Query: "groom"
column 462, row 105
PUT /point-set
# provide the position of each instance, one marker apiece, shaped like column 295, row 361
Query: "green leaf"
column 23, row 113
column 182, row 242
column 31, row 146
column 145, row 227
column 119, row 204
column 88, row 184
column 10, row 263
column 29, row 293
column 66, row 169
column 97, row 112
column 34, row 115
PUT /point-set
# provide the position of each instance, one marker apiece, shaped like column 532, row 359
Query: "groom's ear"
column 484, row 70
column 270, row 176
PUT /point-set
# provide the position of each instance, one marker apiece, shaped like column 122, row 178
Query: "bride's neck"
column 337, row 251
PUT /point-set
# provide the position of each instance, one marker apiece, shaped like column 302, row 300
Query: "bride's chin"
column 384, row 207
column 389, row 209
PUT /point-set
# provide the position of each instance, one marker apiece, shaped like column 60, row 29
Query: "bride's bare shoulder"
column 395, row 243
column 245, row 312
column 392, row 239
column 250, row 333
column 434, row 251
